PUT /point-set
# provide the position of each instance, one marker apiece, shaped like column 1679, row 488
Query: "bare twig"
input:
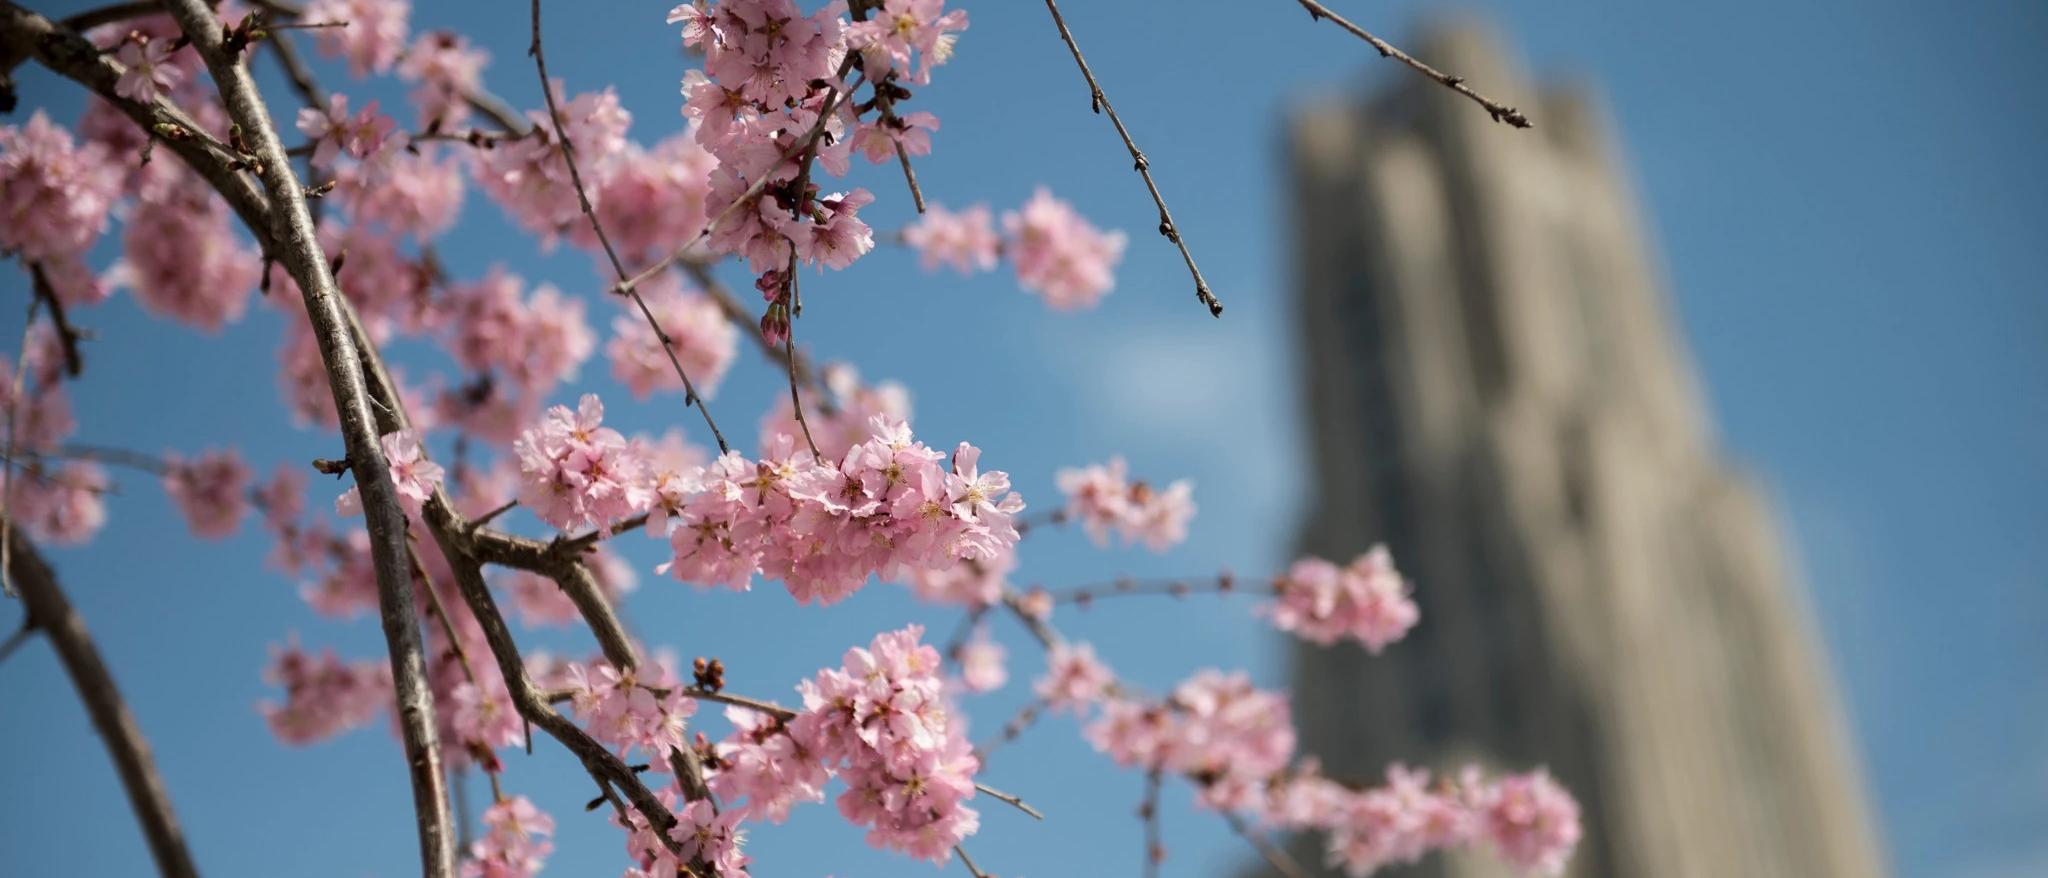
column 968, row 861
column 68, row 336
column 791, row 357
column 1280, row 860
column 54, row 616
column 1010, row 800
column 1499, row 111
column 1148, row 811
column 626, row 285
column 1085, row 595
column 1099, row 102
column 290, row 227
column 1012, row 729
column 19, row 637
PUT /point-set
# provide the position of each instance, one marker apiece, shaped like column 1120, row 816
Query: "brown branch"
column 1010, row 800
column 92, row 18
column 14, row 395
column 1499, row 111
column 968, row 861
column 290, row 226
column 68, row 336
column 668, row 345
column 53, row 615
column 1223, row 584
column 1148, row 811
column 1015, row 727
column 1099, row 102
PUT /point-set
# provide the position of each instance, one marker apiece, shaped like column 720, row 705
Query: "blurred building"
column 1496, row 390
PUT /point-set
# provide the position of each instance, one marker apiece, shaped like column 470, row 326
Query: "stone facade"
column 1495, row 389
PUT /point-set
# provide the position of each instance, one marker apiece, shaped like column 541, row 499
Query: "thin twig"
column 1012, row 729
column 790, row 356
column 796, row 403
column 1010, row 800
column 1179, row 587
column 55, row 617
column 968, row 861
column 1148, row 811
column 68, row 336
column 668, row 346
column 1099, row 102
column 1280, row 860
column 19, row 637
column 1499, row 111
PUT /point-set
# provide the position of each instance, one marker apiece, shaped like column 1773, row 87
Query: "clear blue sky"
column 1849, row 200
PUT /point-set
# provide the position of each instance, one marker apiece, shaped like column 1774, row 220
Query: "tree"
column 338, row 230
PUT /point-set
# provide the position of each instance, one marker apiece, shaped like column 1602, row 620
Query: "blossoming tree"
column 328, row 207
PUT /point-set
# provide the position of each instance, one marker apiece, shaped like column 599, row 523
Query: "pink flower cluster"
column 699, row 832
column 324, row 696
column 528, row 177
column 181, row 254
column 900, row 28
column 966, row 240
column 623, row 708
column 373, row 38
column 55, row 194
column 882, row 722
column 1366, row 600
column 1217, row 729
column 1527, row 820
column 854, row 406
column 576, row 471
column 211, row 491
column 445, row 70
column 515, row 842
column 890, row 505
column 56, row 501
column 1074, row 678
column 1103, row 499
column 704, row 341
column 1059, row 255
column 415, row 477
column 534, row 341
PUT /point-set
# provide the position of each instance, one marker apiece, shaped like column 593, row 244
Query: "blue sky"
column 1848, row 202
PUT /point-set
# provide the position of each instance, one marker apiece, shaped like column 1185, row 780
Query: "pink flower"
column 63, row 505
column 1102, row 499
column 712, row 837
column 212, row 491
column 1074, row 679
column 767, row 767
column 515, row 843
column 899, row 28
column 1532, row 822
column 183, row 258
column 148, row 72
column 536, row 342
column 55, row 195
column 323, row 695
column 1367, row 601
column 575, row 471
column 704, row 341
column 966, row 241
column 445, row 70
column 374, row 37
column 1059, row 255
column 981, row 663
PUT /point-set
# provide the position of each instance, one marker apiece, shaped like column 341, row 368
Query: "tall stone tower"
column 1495, row 389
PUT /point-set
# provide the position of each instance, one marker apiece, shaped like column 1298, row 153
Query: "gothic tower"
column 1495, row 389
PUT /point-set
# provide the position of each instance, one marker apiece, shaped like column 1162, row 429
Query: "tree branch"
column 53, row 615
column 1099, row 102
column 1499, row 111
column 290, row 227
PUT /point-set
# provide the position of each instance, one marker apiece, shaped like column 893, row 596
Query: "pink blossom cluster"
column 1059, row 255
column 882, row 722
column 56, row 500
column 1528, row 820
column 701, row 337
column 639, row 708
column 55, row 194
column 1366, row 600
column 373, row 38
column 1103, row 499
column 1228, row 736
column 324, row 696
column 981, row 661
column 974, row 583
column 528, row 177
column 1074, row 678
column 212, row 491
column 181, row 254
column 965, row 240
column 700, row 833
column 515, row 842
column 900, row 28
column 890, row 505
column 763, row 770
column 652, row 201
column 574, row 471
column 534, row 341
column 445, row 70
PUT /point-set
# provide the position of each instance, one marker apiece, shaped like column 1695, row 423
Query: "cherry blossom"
column 148, row 72
column 1074, row 678
column 575, row 471
column 515, row 842
column 1103, row 499
column 211, row 491
column 324, row 696
column 703, row 340
column 55, row 194
column 374, row 37
column 966, row 240
column 1059, row 255
column 1367, row 601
